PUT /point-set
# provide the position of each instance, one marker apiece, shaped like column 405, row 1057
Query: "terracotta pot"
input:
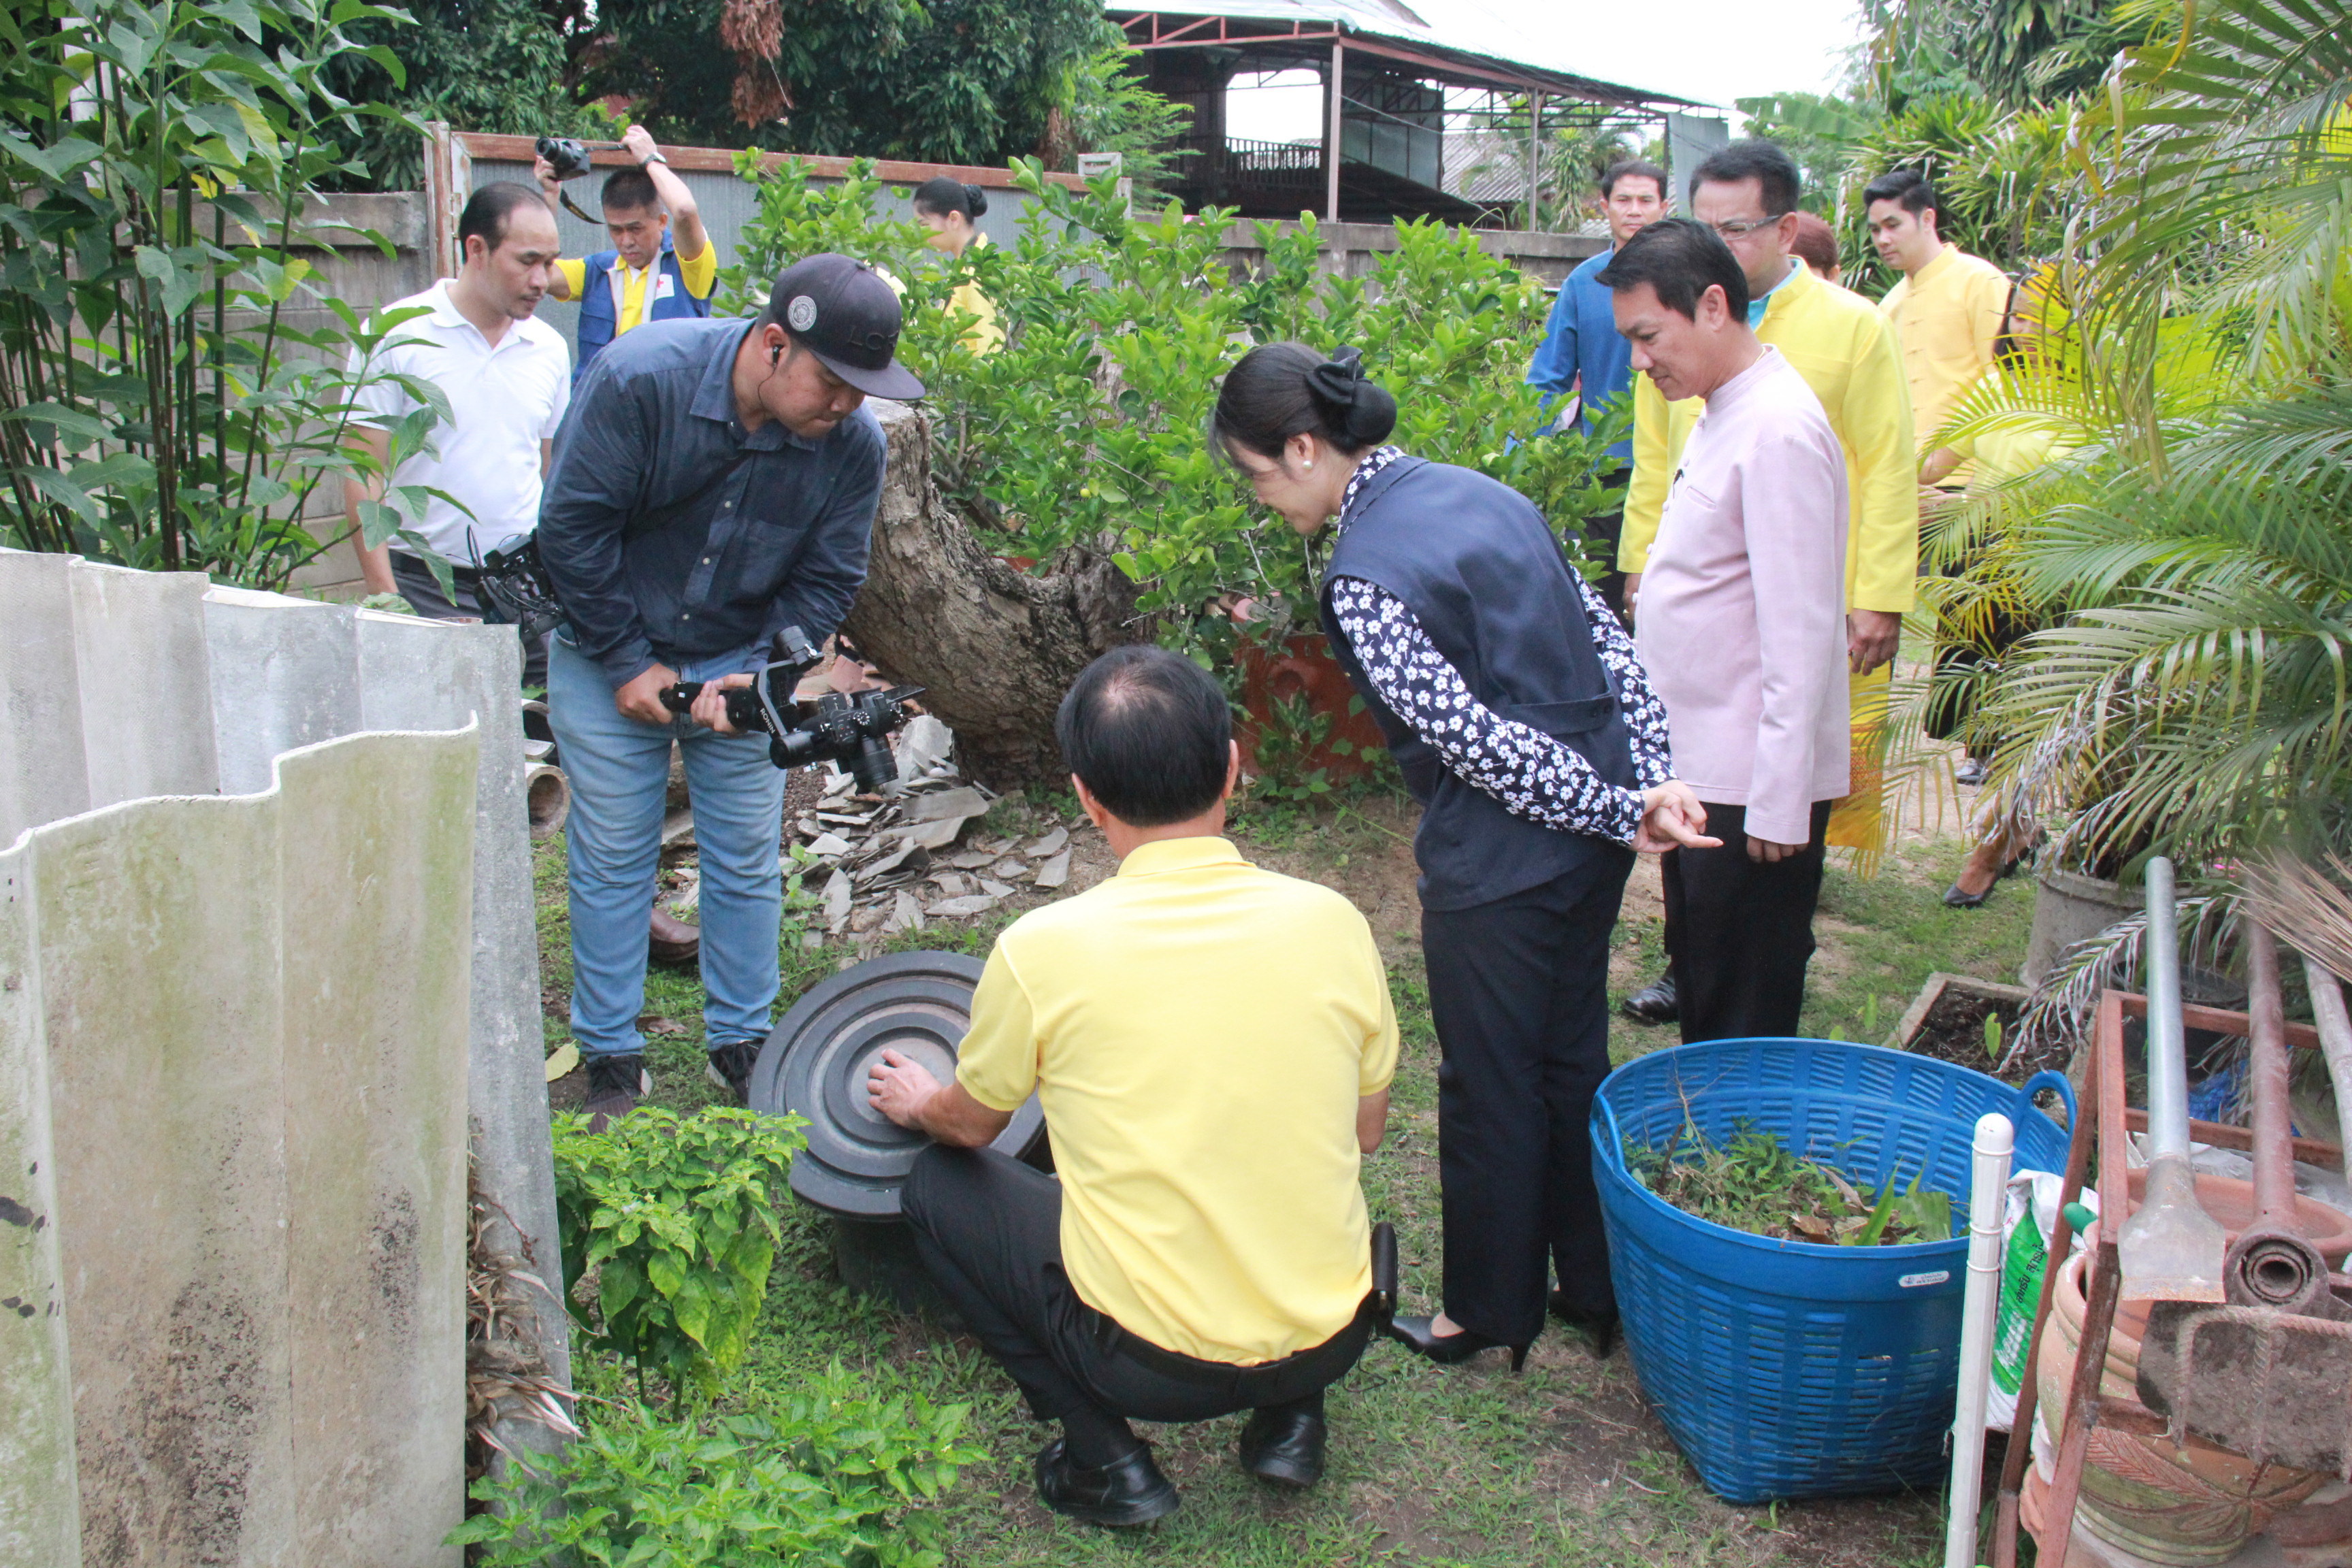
column 1302, row 667
column 2230, row 1201
column 2175, row 1505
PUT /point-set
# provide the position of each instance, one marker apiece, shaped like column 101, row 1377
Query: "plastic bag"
column 2025, row 1258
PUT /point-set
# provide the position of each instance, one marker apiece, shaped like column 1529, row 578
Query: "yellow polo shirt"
column 1198, row 1031
column 698, row 272
column 1948, row 318
column 1847, row 351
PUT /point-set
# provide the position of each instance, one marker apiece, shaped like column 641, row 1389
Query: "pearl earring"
column 1309, row 464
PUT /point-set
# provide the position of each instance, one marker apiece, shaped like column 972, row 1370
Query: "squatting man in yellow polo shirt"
column 1213, row 1044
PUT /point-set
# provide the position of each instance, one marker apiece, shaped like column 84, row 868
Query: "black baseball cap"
column 842, row 310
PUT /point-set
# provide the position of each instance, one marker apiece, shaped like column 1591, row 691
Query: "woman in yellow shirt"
column 950, row 209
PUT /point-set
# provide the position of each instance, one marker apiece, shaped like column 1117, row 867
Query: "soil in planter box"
column 1752, row 1183
column 1954, row 1031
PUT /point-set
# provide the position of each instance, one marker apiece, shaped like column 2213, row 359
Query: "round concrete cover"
column 814, row 1066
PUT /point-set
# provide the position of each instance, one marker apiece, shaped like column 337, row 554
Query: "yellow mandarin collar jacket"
column 1847, row 353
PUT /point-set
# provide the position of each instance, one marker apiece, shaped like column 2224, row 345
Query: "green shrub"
column 677, row 1218
column 1089, row 427
column 823, row 1478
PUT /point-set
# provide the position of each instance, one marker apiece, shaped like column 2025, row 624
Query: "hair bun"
column 976, row 199
column 1363, row 411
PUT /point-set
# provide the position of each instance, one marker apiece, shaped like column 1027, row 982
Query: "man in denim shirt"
column 714, row 483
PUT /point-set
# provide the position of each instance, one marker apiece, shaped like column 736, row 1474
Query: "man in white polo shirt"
column 508, row 378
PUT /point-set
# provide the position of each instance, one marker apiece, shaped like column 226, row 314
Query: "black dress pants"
column 1740, row 932
column 988, row 1229
column 423, row 591
column 1519, row 991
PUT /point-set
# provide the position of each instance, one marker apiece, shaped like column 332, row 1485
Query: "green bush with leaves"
column 823, row 1477
column 159, row 405
column 677, row 1219
column 1087, row 429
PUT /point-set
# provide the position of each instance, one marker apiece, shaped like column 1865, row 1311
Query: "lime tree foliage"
column 1086, row 431
column 825, row 1475
column 173, row 389
column 676, row 1219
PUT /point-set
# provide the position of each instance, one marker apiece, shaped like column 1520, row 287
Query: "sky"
column 1711, row 50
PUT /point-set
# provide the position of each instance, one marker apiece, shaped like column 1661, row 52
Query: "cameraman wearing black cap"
column 714, row 482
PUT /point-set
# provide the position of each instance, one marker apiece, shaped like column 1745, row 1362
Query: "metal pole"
column 1332, row 92
column 1535, row 155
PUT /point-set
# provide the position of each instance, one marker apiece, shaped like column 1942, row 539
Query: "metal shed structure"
column 1392, row 83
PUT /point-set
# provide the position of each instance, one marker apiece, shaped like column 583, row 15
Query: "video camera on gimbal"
column 849, row 729
column 515, row 589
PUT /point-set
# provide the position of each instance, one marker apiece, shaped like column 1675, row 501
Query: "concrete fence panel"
column 244, row 1031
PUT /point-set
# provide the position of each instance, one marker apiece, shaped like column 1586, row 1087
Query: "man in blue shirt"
column 715, row 482
column 1582, row 351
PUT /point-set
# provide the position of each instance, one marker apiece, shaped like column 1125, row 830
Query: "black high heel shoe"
column 1448, row 1349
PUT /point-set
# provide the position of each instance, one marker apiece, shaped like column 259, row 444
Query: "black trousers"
column 1739, row 932
column 1519, row 992
column 989, row 1231
column 415, row 580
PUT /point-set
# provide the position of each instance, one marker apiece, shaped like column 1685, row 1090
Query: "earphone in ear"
column 775, row 353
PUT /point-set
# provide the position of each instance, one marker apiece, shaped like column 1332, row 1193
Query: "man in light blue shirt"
column 1582, row 351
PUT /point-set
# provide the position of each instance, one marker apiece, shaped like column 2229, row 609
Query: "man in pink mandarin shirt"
column 1742, row 630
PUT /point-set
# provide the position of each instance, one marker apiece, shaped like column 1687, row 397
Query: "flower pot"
column 2068, row 907
column 1302, row 668
column 2230, row 1203
column 2182, row 1506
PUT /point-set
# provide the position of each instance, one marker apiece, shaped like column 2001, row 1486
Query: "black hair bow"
column 1337, row 379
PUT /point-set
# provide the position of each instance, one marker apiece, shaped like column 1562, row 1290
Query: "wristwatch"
column 656, row 158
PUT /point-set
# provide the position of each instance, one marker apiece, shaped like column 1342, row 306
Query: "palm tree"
column 2198, row 698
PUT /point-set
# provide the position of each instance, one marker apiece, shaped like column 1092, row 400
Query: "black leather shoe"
column 1447, row 1350
column 1122, row 1494
column 1959, row 898
column 1598, row 1328
column 1285, row 1447
column 1654, row 1003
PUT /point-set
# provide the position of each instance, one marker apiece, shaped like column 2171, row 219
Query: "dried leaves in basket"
column 1752, row 1183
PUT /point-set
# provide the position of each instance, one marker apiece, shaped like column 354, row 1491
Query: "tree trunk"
column 993, row 647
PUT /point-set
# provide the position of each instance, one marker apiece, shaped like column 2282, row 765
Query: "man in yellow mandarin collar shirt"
column 1947, row 310
column 1847, row 351
column 1212, row 1044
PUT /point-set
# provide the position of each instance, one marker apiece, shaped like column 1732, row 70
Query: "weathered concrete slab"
column 375, row 992
column 145, row 682
column 411, row 680
column 160, row 966
column 40, row 1520
column 42, row 774
column 285, row 674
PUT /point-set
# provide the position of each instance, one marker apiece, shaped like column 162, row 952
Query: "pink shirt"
column 1741, row 623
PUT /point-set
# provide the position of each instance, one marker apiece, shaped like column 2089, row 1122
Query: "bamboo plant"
column 164, row 402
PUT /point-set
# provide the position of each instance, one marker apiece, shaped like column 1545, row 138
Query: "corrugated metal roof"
column 1431, row 30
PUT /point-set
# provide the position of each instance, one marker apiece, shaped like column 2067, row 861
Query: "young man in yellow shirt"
column 662, row 266
column 1946, row 311
column 1847, row 353
column 1212, row 1044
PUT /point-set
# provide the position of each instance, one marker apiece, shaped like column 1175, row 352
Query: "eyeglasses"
column 1743, row 226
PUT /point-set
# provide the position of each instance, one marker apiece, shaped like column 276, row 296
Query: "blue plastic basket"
column 1787, row 1369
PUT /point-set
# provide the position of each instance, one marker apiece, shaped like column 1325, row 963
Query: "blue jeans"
column 619, row 772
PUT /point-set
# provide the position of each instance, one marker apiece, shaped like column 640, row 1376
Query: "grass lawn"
column 1560, row 1465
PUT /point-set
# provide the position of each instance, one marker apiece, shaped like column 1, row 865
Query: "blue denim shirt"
column 1581, row 339
column 663, row 547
